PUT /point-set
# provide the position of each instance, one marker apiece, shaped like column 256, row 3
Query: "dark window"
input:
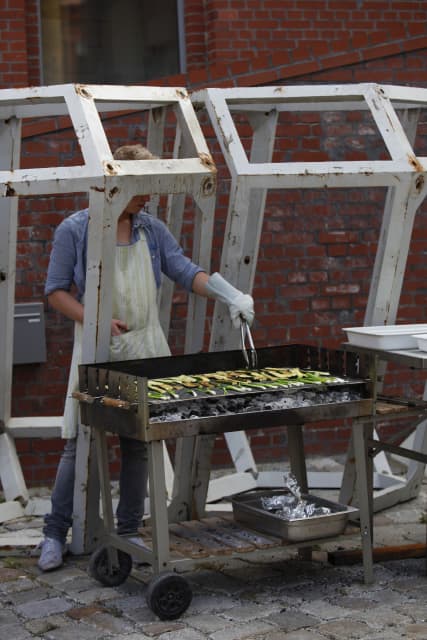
column 109, row 41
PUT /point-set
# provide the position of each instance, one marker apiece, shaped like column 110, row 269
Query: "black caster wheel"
column 168, row 595
column 109, row 576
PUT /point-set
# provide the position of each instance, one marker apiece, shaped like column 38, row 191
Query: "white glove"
column 240, row 305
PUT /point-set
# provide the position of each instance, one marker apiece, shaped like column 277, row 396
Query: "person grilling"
column 145, row 250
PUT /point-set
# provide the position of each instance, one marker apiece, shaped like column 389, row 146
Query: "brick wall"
column 317, row 248
column 244, row 30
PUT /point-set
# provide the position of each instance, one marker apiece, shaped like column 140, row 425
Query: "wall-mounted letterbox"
column 29, row 338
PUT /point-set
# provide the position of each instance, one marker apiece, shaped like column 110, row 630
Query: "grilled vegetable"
column 240, row 380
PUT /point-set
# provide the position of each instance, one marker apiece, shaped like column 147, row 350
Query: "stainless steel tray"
column 248, row 510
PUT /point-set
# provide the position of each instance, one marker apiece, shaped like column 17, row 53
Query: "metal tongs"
column 250, row 355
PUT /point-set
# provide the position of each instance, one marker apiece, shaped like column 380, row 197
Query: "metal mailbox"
column 29, row 337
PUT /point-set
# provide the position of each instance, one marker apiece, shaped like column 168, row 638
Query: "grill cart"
column 118, row 398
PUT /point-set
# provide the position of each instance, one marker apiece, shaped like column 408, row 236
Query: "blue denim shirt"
column 68, row 257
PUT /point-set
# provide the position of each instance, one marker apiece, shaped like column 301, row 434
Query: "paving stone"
column 354, row 629
column 416, row 611
column 63, row 575
column 385, row 635
column 102, row 594
column 381, row 617
column 416, row 631
column 356, row 604
column 242, row 631
column 211, row 603
column 29, row 595
column 132, row 636
column 79, row 613
column 207, row 622
column 42, row 608
column 107, row 622
column 325, row 611
column 390, row 597
column 302, row 634
column 9, row 574
column 14, row 632
column 182, row 634
column 141, row 616
column 40, row 626
column 21, row 584
column 129, row 604
column 248, row 599
column 75, row 585
column 249, row 612
column 160, row 628
column 71, row 632
column 292, row 620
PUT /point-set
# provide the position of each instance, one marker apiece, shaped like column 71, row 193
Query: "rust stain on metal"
column 181, row 93
column 208, row 185
column 82, row 90
column 110, row 169
column 208, row 162
column 98, row 189
column 113, row 192
column 415, row 163
column 10, row 191
column 419, row 184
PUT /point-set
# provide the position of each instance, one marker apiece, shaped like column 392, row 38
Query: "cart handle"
column 105, row 400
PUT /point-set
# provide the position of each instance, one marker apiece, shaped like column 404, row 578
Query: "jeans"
column 133, row 485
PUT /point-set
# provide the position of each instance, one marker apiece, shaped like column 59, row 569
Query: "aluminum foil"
column 290, row 505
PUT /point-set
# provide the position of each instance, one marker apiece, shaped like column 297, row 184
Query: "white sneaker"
column 137, row 540
column 52, row 552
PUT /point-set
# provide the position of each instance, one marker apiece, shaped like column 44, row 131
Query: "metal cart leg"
column 158, row 506
column 299, row 470
column 362, row 431
column 108, row 564
column 104, row 479
column 168, row 594
column 182, row 493
column 297, row 456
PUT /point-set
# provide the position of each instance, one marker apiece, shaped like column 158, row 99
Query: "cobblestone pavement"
column 282, row 598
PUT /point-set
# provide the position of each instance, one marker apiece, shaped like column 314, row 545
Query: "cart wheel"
column 109, row 576
column 168, row 595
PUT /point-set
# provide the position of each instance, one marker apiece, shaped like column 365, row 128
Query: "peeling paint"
column 208, row 185
column 419, row 183
column 110, row 169
column 113, row 192
column 82, row 90
column 208, row 162
column 415, row 163
column 10, row 191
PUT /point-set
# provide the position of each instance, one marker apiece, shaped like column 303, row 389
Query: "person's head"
column 133, row 152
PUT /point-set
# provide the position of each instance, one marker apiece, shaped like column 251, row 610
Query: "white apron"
column 134, row 302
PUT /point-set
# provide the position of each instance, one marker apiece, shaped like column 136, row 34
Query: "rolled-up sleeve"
column 174, row 264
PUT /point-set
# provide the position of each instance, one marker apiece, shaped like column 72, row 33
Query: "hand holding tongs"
column 251, row 358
